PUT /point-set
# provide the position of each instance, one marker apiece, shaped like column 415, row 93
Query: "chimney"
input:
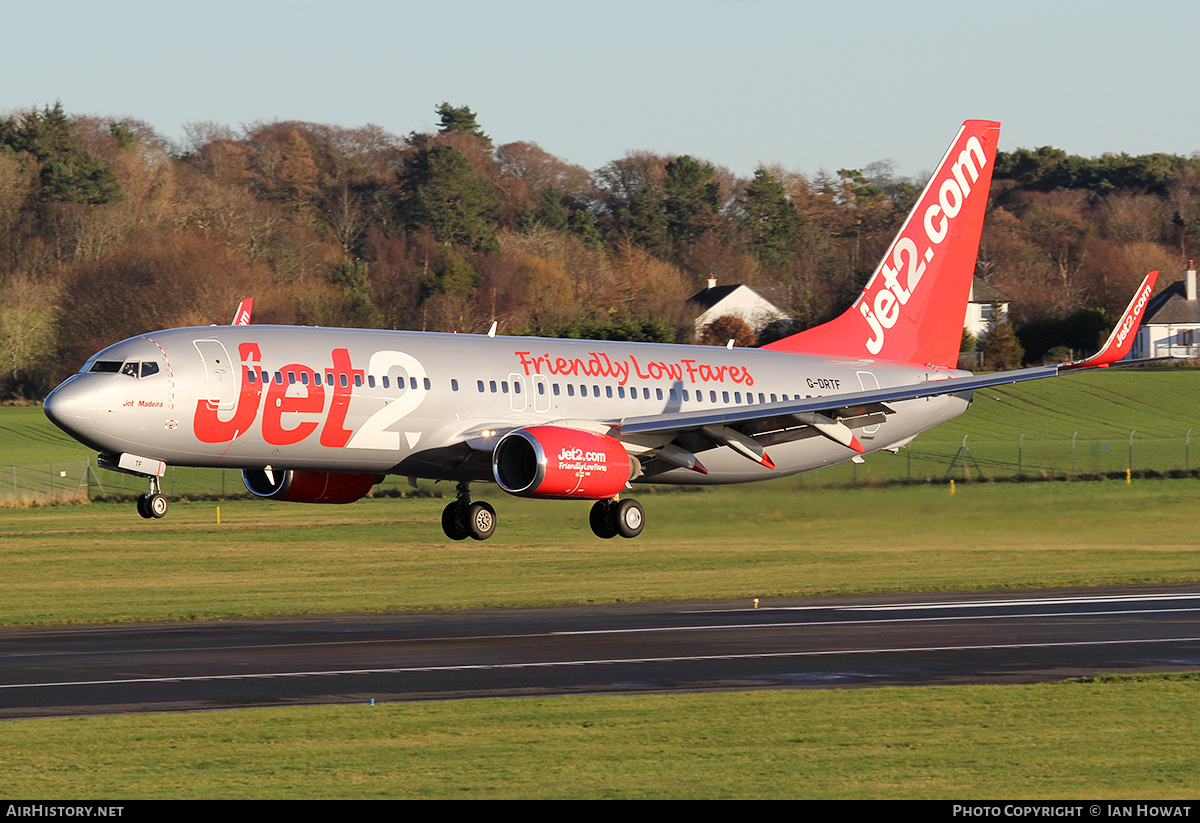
column 1191, row 282
column 712, row 284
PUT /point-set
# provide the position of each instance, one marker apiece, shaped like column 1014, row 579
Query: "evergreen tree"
column 440, row 191
column 690, row 200
column 770, row 222
column 459, row 120
column 1000, row 347
column 66, row 171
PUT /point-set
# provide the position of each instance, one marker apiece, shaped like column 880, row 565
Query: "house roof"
column 982, row 292
column 711, row 297
column 1172, row 306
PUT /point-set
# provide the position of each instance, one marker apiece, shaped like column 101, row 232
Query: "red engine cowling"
column 550, row 461
column 309, row 486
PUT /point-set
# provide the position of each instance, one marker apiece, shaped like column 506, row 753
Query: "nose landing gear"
column 154, row 503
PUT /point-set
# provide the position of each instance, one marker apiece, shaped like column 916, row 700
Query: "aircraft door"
column 868, row 381
column 221, row 375
column 541, row 393
column 519, row 398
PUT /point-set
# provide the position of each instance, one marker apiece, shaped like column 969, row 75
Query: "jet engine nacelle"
column 556, row 462
column 308, row 486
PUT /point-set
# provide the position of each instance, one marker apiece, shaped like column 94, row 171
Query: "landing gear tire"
column 629, row 518
column 157, row 505
column 481, row 521
column 142, row 507
column 601, row 521
column 453, row 524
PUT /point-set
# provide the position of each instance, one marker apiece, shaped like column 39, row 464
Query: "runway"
column 815, row 642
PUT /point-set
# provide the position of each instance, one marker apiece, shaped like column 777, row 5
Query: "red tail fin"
column 913, row 307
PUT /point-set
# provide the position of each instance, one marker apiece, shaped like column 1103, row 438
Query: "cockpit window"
column 131, row 368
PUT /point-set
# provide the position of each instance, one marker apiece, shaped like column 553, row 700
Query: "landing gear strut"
column 609, row 518
column 462, row 518
column 153, row 504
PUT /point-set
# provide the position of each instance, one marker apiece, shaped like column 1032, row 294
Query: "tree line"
column 108, row 229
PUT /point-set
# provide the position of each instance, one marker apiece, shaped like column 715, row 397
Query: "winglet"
column 1121, row 340
column 242, row 316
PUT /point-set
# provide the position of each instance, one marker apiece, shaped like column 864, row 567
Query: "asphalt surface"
column 1010, row 637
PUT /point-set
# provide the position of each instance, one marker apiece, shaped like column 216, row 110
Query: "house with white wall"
column 1171, row 326
column 739, row 301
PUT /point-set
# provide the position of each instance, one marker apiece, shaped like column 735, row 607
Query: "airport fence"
column 971, row 459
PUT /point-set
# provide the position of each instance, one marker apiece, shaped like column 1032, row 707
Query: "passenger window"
column 621, row 392
column 291, row 378
column 712, row 397
column 608, row 390
column 279, row 378
column 480, row 382
column 595, row 391
column 658, row 394
column 556, row 390
column 724, row 397
column 504, row 386
column 412, row 382
column 358, row 380
column 645, row 393
column 250, row 376
column 342, row 379
column 492, row 386
column 737, row 397
column 428, row 385
column 304, row 377
column 370, row 381
column 385, row 381
column 541, row 388
column 516, row 388
column 329, row 378
column 316, row 378
column 453, row 384
column 570, row 390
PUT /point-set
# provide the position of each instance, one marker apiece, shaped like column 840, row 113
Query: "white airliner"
column 319, row 415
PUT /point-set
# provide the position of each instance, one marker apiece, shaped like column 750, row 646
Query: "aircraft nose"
column 72, row 407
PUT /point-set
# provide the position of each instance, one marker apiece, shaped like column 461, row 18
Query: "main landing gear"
column 153, row 504
column 612, row 517
column 462, row 518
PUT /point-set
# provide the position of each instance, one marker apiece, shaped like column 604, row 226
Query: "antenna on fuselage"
column 492, row 330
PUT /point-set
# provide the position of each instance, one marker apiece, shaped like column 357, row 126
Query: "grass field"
column 101, row 562
column 1115, row 739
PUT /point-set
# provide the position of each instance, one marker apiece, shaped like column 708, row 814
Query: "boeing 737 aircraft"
column 319, row 415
